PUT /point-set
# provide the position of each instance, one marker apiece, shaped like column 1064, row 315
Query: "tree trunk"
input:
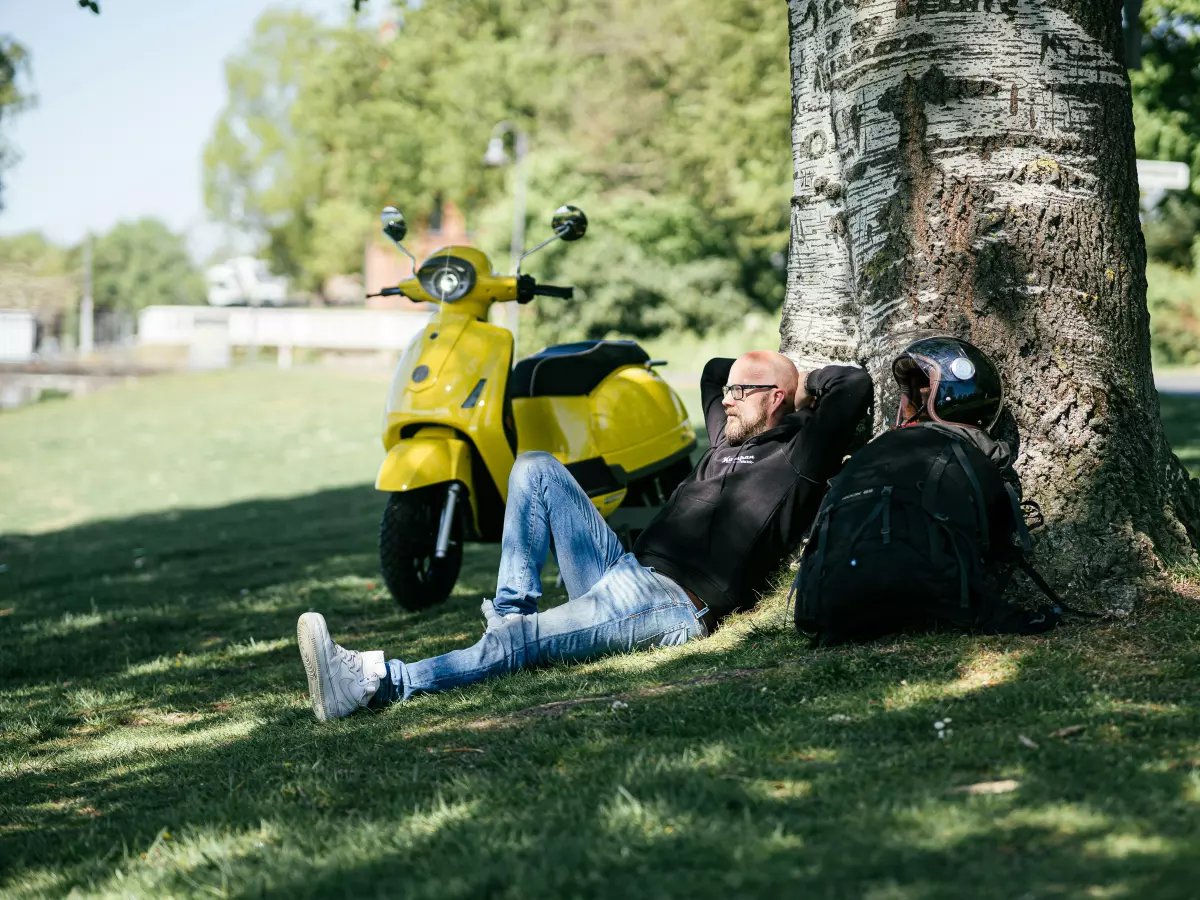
column 968, row 166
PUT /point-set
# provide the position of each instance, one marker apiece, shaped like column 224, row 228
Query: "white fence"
column 18, row 335
column 208, row 329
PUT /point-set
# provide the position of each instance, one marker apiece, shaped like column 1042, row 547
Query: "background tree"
column 666, row 122
column 14, row 97
column 37, row 275
column 141, row 263
column 970, row 167
column 262, row 165
column 1166, row 113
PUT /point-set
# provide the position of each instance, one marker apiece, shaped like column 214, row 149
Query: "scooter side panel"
column 639, row 420
column 571, row 429
column 641, row 456
column 467, row 394
column 561, row 426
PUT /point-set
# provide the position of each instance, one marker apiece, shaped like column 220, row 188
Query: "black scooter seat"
column 573, row 370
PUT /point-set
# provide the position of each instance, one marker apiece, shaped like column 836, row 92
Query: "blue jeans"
column 615, row 604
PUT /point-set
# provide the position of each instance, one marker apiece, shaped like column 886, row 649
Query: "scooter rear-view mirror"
column 569, row 224
column 395, row 227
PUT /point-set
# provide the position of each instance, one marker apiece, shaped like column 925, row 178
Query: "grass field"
column 159, row 541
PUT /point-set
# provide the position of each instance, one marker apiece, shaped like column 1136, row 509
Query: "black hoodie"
column 730, row 524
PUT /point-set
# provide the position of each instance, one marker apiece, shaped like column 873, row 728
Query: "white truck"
column 244, row 281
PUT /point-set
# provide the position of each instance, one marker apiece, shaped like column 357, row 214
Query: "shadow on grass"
column 820, row 778
column 155, row 738
column 99, row 598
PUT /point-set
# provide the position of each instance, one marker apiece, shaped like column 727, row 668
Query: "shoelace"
column 351, row 659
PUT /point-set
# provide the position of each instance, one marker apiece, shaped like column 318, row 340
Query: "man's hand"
column 803, row 398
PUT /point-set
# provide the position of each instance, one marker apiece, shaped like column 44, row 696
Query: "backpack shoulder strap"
column 985, row 538
column 819, row 532
column 1018, row 517
column 1022, row 562
column 1045, row 588
column 929, row 494
column 1027, row 567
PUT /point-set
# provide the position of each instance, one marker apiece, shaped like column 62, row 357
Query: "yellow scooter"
column 457, row 417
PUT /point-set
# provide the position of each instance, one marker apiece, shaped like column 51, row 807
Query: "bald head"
column 762, row 407
column 766, row 367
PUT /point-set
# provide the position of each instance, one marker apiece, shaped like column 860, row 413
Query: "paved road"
column 1178, row 382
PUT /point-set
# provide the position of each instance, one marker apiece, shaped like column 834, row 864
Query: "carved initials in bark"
column 968, row 165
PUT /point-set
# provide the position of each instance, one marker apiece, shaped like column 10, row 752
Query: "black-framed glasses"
column 738, row 391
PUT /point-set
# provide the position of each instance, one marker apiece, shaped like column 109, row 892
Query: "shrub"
column 1173, row 296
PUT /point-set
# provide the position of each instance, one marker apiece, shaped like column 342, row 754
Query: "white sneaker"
column 339, row 680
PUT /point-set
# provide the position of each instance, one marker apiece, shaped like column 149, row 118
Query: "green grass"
column 155, row 737
column 687, row 353
column 1181, row 418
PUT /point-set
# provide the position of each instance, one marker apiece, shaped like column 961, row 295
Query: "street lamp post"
column 496, row 155
column 86, row 306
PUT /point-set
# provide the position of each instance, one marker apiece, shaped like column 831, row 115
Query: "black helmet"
column 964, row 385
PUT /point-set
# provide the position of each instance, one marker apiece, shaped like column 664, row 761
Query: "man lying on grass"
column 777, row 437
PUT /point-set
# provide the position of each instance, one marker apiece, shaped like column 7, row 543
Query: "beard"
column 740, row 428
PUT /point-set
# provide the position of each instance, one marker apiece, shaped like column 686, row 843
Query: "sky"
column 126, row 101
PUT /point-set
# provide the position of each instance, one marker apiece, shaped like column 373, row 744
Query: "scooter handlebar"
column 388, row 292
column 527, row 289
column 550, row 290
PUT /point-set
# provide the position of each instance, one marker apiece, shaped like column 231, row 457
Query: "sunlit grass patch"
column 626, row 817
column 1127, row 844
column 68, row 623
column 132, row 741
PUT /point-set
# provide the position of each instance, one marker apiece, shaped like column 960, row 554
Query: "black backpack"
column 922, row 528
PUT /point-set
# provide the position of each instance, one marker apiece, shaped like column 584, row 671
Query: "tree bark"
column 968, row 166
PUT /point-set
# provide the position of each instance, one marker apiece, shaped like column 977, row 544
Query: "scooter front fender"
column 425, row 460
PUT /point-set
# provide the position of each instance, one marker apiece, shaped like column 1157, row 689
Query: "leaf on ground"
column 1007, row 786
column 170, row 718
column 7, row 612
column 1068, row 731
column 1027, row 742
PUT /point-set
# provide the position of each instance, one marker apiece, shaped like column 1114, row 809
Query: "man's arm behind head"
column 840, row 397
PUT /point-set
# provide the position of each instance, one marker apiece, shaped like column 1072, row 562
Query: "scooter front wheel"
column 414, row 575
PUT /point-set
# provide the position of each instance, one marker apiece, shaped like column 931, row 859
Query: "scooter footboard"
column 423, row 461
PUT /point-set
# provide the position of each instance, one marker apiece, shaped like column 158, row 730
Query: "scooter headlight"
column 447, row 278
